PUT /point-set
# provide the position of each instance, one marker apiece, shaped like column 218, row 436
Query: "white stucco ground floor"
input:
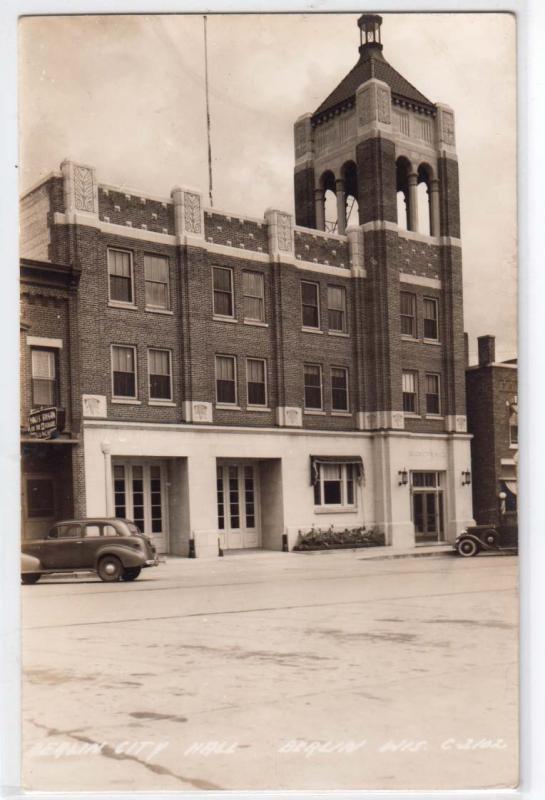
column 199, row 490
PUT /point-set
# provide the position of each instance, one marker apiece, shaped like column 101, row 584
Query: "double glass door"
column 140, row 495
column 427, row 507
column 238, row 505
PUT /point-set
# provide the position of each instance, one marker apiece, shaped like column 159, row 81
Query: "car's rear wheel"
column 109, row 569
column 31, row 577
column 131, row 573
column 467, row 548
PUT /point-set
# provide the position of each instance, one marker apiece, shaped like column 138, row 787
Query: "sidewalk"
column 419, row 551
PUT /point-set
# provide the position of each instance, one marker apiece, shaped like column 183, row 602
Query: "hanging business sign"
column 42, row 423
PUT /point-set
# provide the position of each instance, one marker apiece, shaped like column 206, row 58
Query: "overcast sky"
column 126, row 94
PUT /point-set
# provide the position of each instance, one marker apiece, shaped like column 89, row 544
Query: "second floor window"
column 313, row 387
column 257, row 384
column 407, row 303
column 223, row 292
column 157, row 280
column 160, row 381
column 123, row 371
column 310, row 304
column 254, row 302
column 410, row 395
column 226, row 386
column 44, row 377
column 339, row 389
column 336, row 308
column 431, row 328
column 120, row 276
column 433, row 405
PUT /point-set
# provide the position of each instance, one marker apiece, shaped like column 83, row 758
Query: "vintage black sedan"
column 501, row 537
column 113, row 548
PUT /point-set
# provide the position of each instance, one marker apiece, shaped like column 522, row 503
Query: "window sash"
column 410, row 393
column 335, row 486
column 120, row 276
column 257, row 391
column 313, row 387
column 44, row 379
column 253, row 291
column 339, row 389
column 225, row 380
column 124, row 371
column 310, row 304
column 336, row 301
column 223, row 291
column 430, row 318
column 433, row 405
column 407, row 305
column 156, row 270
column 160, row 379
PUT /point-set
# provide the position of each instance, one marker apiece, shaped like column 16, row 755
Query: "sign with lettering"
column 42, row 423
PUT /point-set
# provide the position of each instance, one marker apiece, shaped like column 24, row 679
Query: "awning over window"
column 316, row 461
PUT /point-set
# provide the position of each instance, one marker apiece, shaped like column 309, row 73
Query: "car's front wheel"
column 131, row 573
column 30, row 577
column 109, row 569
column 467, row 547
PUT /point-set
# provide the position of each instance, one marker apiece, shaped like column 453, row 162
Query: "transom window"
column 254, row 302
column 339, row 389
column 123, row 371
column 310, row 304
column 226, row 387
column 336, row 308
column 44, row 377
column 335, row 485
column 313, row 387
column 223, row 292
column 160, row 375
column 156, row 272
column 120, row 276
column 431, row 317
column 257, row 381
column 433, row 404
column 407, row 302
column 410, row 393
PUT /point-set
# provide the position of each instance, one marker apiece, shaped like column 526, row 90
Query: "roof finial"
column 369, row 25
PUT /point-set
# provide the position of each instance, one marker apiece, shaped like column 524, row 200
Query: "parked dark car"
column 502, row 537
column 113, row 548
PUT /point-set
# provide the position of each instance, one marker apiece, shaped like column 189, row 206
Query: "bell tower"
column 375, row 150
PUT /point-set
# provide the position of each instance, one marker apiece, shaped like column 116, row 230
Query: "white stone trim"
column 417, row 237
column 313, row 266
column 420, row 280
column 321, row 234
column 39, row 183
column 380, row 225
column 289, row 416
column 231, row 215
column 128, row 190
column 234, row 252
column 44, row 341
column 456, row 423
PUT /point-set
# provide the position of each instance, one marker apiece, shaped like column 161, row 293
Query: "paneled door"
column 140, row 495
column 238, row 505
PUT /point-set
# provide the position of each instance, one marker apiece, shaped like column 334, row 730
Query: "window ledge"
column 168, row 403
column 436, row 342
column 119, row 304
column 341, row 413
column 166, row 311
column 258, row 408
column 513, row 447
column 228, row 407
column 316, row 412
column 335, row 509
column 218, row 318
column 256, row 323
column 126, row 401
column 434, row 416
column 341, row 334
column 406, row 338
column 312, row 330
column 410, row 415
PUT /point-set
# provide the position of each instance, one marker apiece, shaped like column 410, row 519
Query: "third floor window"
column 336, row 308
column 157, row 282
column 254, row 302
column 120, row 276
column 407, row 303
column 223, row 292
column 310, row 304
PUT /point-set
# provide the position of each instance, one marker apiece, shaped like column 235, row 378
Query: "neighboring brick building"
column 247, row 378
column 492, row 416
column 49, row 380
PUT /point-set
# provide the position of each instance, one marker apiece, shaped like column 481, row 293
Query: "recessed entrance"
column 140, row 495
column 238, row 505
column 427, row 507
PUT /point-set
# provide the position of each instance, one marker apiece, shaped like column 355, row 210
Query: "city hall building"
column 245, row 379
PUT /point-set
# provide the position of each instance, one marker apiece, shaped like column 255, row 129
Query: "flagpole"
column 207, row 113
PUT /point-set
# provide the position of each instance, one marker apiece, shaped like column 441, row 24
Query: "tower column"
column 341, row 206
column 319, row 203
column 412, row 215
column 434, row 207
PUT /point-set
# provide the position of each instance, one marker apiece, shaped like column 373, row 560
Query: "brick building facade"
column 243, row 379
column 492, row 416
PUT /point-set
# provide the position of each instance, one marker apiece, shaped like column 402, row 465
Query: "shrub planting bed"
column 331, row 539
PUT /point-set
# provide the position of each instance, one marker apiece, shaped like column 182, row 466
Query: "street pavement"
column 274, row 671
